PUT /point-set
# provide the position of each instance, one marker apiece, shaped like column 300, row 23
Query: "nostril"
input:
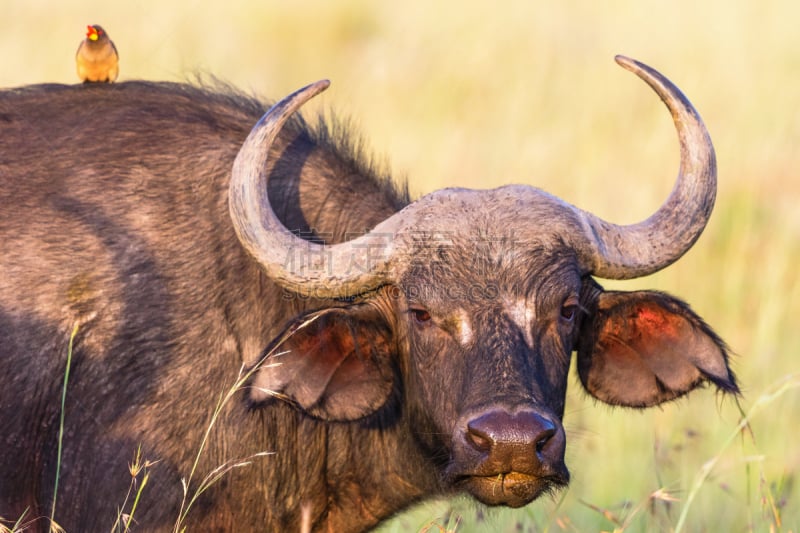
column 543, row 438
column 478, row 439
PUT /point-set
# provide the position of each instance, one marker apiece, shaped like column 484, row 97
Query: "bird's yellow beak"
column 91, row 33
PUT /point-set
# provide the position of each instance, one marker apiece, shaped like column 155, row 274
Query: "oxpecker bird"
column 97, row 57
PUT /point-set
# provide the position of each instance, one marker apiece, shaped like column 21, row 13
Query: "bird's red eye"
column 421, row 315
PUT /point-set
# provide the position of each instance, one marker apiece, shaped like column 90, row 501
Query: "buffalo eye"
column 421, row 316
column 569, row 311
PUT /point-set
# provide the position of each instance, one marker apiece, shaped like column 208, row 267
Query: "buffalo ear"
column 640, row 349
column 334, row 364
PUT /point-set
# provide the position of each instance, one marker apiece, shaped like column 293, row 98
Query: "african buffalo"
column 395, row 349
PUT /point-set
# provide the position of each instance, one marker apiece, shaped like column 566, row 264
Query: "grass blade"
column 61, row 421
column 783, row 386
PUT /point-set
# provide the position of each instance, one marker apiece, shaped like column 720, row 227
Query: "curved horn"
column 624, row 252
column 310, row 269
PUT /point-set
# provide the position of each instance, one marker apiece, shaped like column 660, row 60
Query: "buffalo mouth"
column 512, row 489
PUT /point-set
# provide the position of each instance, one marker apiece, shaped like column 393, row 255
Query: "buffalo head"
column 461, row 311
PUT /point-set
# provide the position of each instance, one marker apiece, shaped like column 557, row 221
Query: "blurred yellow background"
column 480, row 94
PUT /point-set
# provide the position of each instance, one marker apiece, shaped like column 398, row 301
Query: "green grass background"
column 480, row 94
